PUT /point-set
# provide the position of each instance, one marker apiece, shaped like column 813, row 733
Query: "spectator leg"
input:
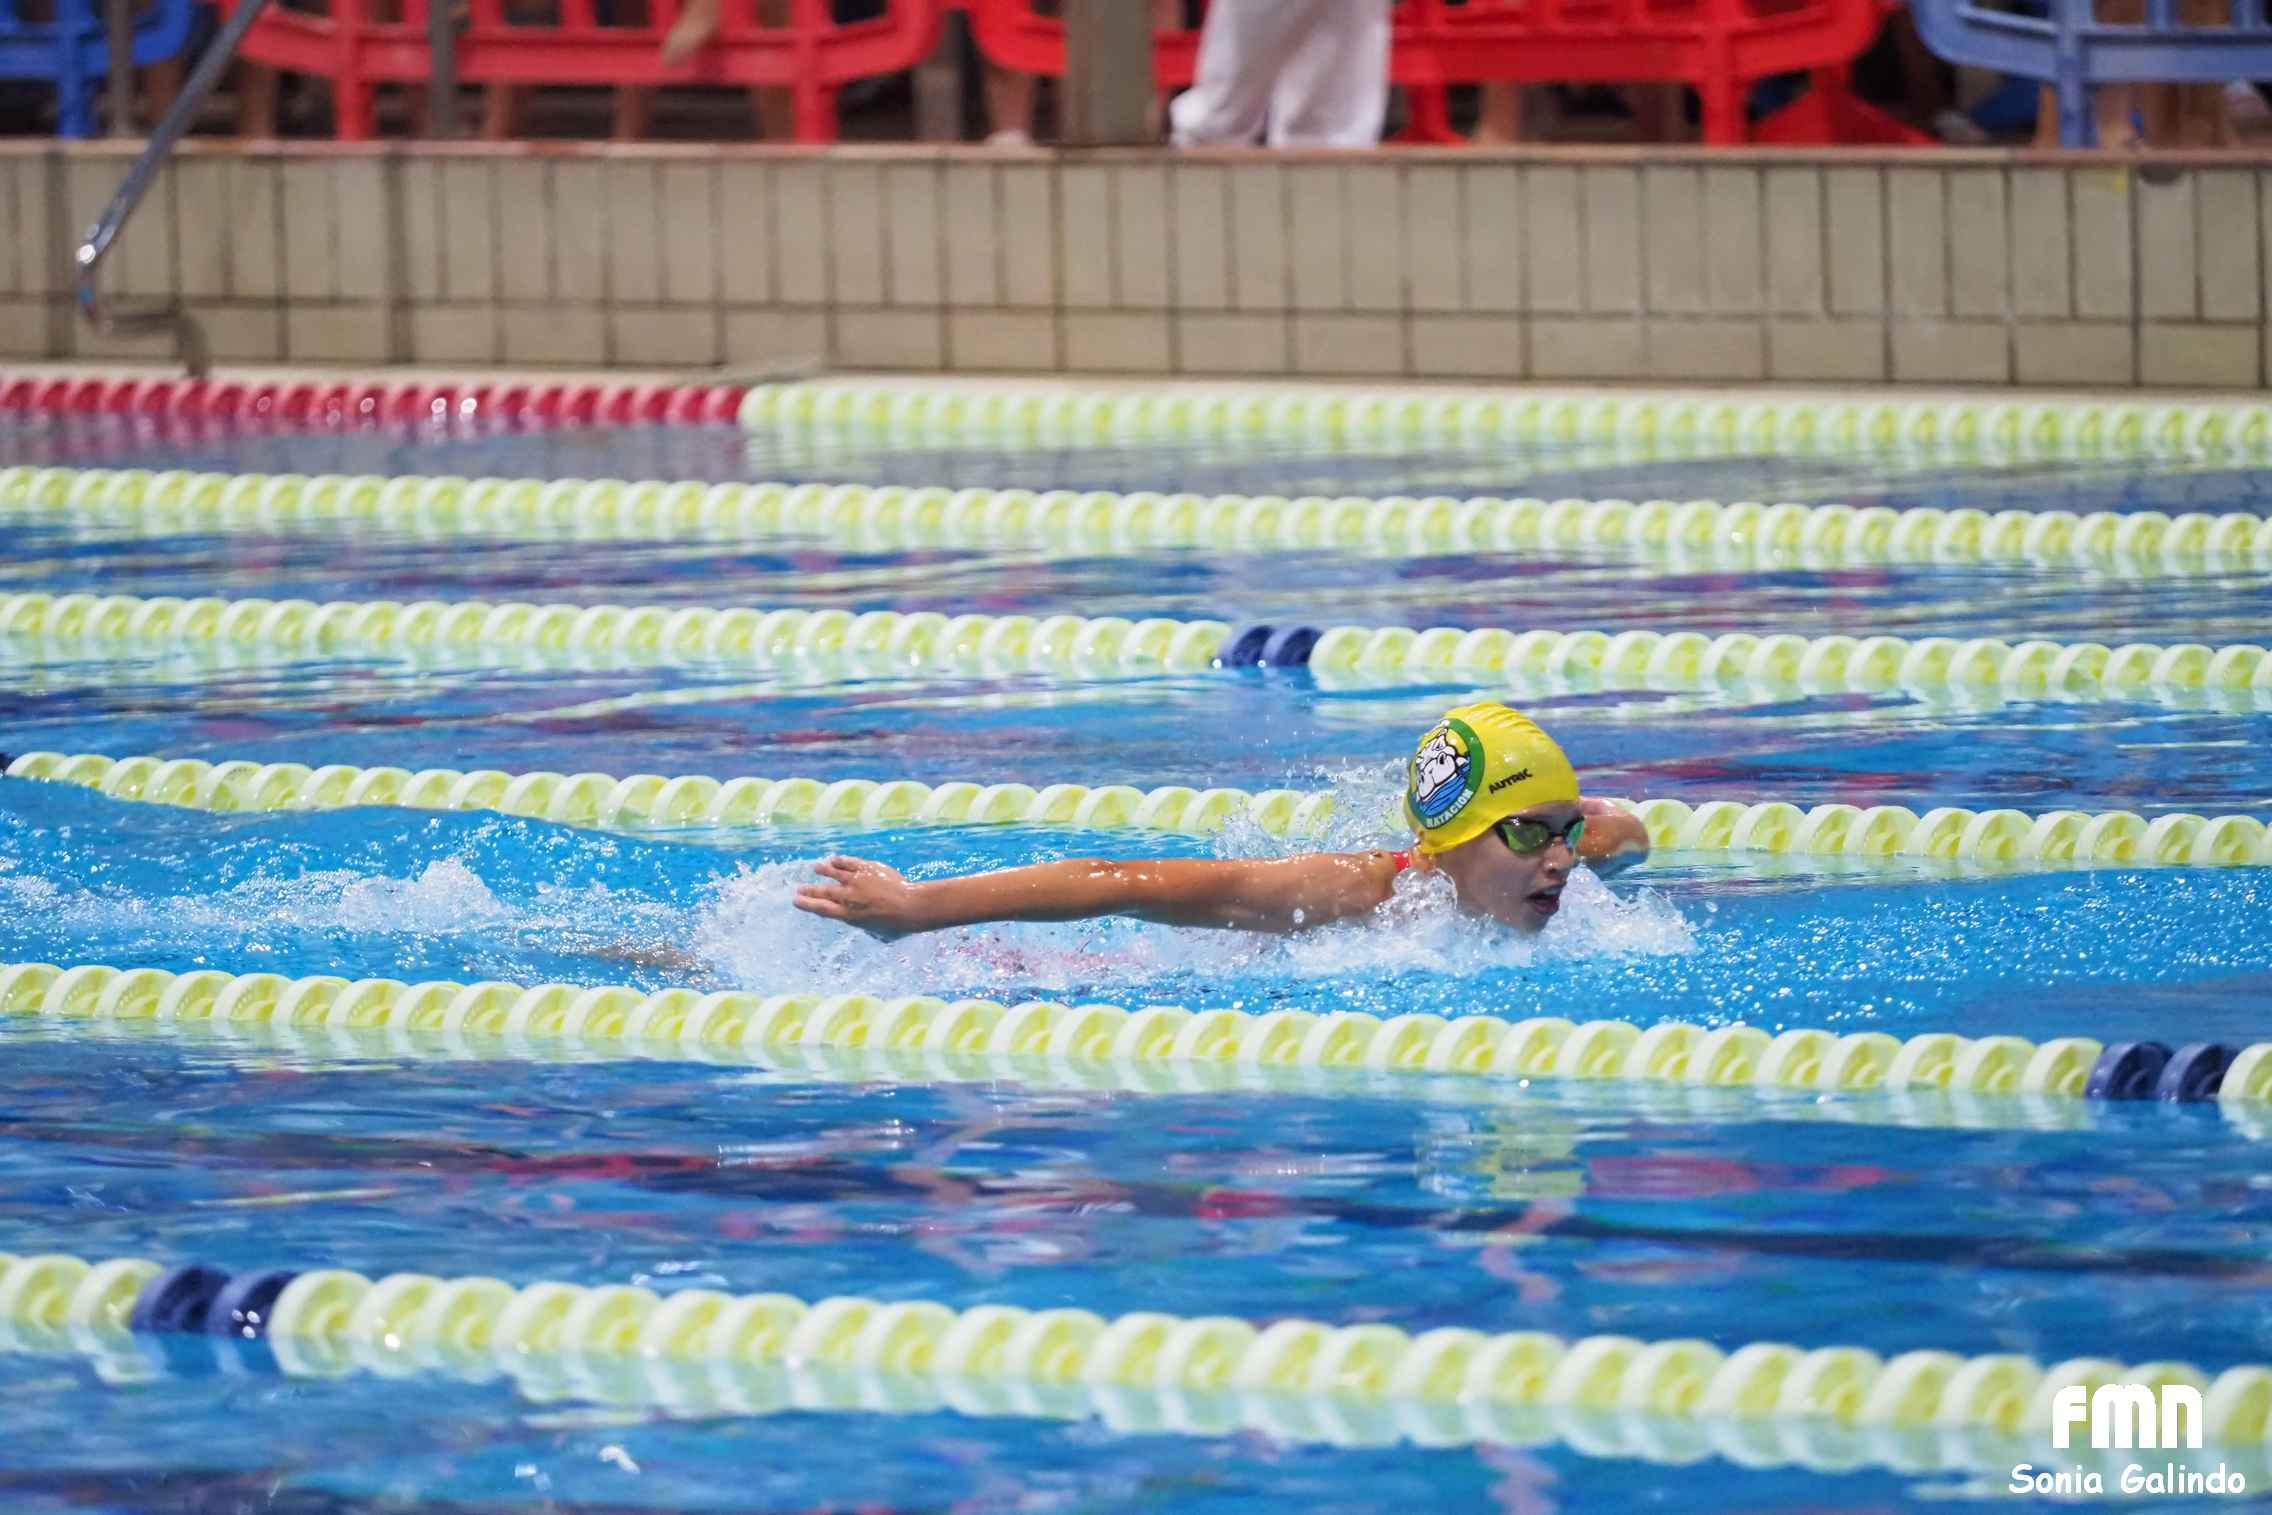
column 776, row 107
column 1927, row 84
column 161, row 86
column 256, row 101
column 633, row 111
column 776, row 112
column 694, row 27
column 2197, row 111
column 1242, row 47
column 1333, row 91
column 1499, row 117
column 1009, row 105
column 2124, row 111
column 501, row 112
column 1658, row 111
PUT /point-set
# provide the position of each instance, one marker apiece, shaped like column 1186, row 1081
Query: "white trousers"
column 1310, row 73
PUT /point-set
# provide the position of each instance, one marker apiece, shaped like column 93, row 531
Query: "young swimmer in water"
column 1493, row 804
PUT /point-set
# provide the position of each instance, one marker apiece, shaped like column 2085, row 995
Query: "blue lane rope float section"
column 2133, row 542
column 1472, row 1045
column 1095, row 646
column 656, row 802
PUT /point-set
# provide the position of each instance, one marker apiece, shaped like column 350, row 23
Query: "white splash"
column 752, row 933
column 447, row 897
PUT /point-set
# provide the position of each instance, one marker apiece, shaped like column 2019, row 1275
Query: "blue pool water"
column 1894, row 1222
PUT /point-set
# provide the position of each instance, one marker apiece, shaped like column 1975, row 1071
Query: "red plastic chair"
column 813, row 55
column 1720, row 47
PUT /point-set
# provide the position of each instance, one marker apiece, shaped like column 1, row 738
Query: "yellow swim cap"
column 1477, row 766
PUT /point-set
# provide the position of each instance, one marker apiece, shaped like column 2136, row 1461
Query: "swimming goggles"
column 1526, row 838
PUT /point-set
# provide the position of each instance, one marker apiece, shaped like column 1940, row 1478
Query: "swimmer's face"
column 1518, row 890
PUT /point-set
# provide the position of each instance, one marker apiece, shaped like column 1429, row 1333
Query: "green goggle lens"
column 1528, row 837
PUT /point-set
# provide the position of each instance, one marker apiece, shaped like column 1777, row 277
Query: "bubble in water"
column 447, row 896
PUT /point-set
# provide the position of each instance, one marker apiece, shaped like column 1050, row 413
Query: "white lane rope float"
column 1787, row 425
column 1480, row 1046
column 1706, row 531
column 650, row 801
column 1111, row 645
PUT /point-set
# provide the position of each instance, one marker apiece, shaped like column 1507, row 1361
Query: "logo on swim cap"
column 1446, row 772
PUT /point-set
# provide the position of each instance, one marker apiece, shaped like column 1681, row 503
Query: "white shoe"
column 1958, row 129
column 1011, row 136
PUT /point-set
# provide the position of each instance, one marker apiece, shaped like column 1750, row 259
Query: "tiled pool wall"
column 1970, row 268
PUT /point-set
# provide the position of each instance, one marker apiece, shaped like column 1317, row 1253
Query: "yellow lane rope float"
column 326, row 1321
column 1919, row 1107
column 1706, row 530
column 1642, row 659
column 1474, row 1045
column 653, row 800
column 634, row 1385
column 2059, row 428
column 888, row 638
column 1110, row 644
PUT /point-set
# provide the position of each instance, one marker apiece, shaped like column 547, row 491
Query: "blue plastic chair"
column 2071, row 50
column 72, row 52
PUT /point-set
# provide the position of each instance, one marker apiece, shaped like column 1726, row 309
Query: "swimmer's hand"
column 872, row 896
column 1240, row 894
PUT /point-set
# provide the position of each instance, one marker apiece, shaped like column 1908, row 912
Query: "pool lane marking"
column 894, row 641
column 1925, row 1107
column 1298, row 1373
column 651, row 801
column 1480, row 1046
column 1798, row 425
column 1699, row 531
column 1104, row 646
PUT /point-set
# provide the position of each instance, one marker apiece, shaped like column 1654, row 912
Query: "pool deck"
column 1565, row 265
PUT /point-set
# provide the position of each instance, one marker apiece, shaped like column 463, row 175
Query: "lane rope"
column 324, row 1321
column 653, row 800
column 1832, row 534
column 1923, row 1107
column 1643, row 659
column 1481, row 1046
column 338, row 405
column 2054, row 428
column 890, row 638
column 1102, row 644
column 701, row 1389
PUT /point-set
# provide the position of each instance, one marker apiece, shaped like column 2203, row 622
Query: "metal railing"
column 113, row 318
column 2070, row 49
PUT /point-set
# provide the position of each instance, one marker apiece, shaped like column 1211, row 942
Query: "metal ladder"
column 113, row 318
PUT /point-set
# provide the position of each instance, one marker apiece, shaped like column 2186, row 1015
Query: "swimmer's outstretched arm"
column 1261, row 894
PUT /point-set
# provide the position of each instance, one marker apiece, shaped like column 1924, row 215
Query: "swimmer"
column 1493, row 804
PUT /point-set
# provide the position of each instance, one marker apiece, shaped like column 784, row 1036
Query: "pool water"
column 1894, row 1221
